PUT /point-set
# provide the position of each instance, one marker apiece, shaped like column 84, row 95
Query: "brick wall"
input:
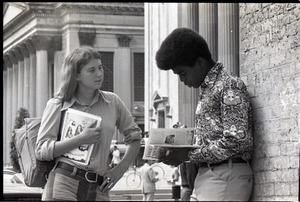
column 270, row 67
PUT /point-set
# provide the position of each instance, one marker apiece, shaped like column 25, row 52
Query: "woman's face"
column 91, row 75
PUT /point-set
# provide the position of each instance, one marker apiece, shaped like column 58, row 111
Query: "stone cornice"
column 131, row 9
column 56, row 10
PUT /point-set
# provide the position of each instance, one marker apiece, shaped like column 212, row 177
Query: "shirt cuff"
column 132, row 137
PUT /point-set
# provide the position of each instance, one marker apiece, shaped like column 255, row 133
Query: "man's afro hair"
column 182, row 47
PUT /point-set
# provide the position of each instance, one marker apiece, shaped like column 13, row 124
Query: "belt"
column 89, row 176
column 233, row 160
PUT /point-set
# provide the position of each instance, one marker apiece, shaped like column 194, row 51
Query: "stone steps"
column 136, row 195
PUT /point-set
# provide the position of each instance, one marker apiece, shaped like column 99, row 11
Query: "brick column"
column 208, row 15
column 228, row 35
column 25, row 54
column 41, row 44
column 32, row 80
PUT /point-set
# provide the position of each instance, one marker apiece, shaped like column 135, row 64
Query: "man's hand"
column 175, row 156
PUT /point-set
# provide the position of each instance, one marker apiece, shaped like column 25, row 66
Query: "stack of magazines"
column 160, row 139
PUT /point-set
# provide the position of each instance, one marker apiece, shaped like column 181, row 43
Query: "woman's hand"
column 90, row 134
column 112, row 177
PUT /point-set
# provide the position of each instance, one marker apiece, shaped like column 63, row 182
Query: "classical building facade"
column 38, row 35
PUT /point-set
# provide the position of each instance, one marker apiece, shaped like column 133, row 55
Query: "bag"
column 35, row 172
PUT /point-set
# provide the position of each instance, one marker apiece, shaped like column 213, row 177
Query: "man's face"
column 190, row 76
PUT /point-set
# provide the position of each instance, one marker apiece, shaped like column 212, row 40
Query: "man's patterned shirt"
column 223, row 118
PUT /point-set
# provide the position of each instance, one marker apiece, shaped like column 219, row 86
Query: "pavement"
column 121, row 191
column 162, row 184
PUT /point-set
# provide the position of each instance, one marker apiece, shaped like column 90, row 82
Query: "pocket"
column 65, row 188
column 221, row 173
column 246, row 177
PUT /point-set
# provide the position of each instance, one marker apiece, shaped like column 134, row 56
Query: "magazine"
column 74, row 123
column 161, row 139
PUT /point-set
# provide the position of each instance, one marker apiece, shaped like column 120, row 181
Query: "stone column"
column 4, row 135
column 14, row 100
column 20, row 76
column 32, row 80
column 71, row 40
column 25, row 54
column 208, row 24
column 8, row 97
column 228, row 35
column 58, row 61
column 187, row 97
column 4, row 126
column 9, row 108
column 41, row 44
column 122, row 75
column 123, row 67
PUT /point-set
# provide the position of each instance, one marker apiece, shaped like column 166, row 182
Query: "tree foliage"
column 22, row 113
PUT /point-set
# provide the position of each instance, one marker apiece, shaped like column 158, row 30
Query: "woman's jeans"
column 64, row 185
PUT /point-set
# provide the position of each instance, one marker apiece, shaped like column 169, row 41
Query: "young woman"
column 82, row 77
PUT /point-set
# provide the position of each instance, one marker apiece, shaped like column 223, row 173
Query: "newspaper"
column 74, row 123
column 161, row 139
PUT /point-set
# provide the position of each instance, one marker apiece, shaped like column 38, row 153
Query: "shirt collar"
column 212, row 75
column 99, row 95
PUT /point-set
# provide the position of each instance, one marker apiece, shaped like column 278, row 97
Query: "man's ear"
column 200, row 61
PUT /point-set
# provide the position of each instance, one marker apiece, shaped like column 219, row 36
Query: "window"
column 139, row 77
column 107, row 59
column 161, row 118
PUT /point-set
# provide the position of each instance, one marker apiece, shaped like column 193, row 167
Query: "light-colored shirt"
column 116, row 156
column 223, row 118
column 114, row 115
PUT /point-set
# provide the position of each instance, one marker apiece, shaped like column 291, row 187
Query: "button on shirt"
column 114, row 115
column 223, row 119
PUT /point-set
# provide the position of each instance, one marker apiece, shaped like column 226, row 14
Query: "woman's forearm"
column 62, row 147
column 132, row 150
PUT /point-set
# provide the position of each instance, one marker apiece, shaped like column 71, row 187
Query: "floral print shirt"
column 223, row 118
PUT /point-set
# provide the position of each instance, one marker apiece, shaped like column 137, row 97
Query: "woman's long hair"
column 72, row 66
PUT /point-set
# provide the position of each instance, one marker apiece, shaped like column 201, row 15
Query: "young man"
column 223, row 119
